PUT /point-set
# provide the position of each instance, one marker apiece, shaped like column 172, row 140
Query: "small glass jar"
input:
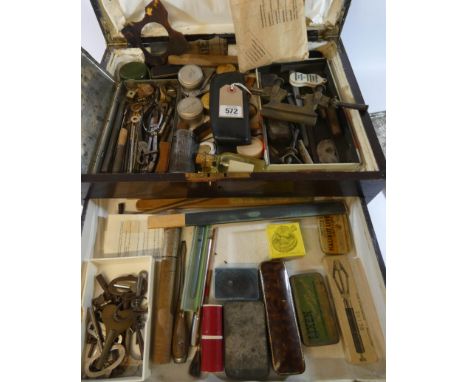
column 190, row 110
column 190, row 77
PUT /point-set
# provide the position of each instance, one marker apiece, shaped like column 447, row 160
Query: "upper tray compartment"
column 325, row 17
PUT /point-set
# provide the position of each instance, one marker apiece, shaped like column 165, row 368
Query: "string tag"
column 231, row 101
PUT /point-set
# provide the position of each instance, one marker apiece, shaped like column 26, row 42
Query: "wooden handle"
column 333, row 121
column 164, row 153
column 120, row 150
column 180, row 338
column 166, row 221
column 201, row 59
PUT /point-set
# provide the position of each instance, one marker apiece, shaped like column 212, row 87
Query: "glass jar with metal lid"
column 190, row 77
column 190, row 110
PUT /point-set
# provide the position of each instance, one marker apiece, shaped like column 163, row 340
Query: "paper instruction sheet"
column 269, row 31
column 128, row 235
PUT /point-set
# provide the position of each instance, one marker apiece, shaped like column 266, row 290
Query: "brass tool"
column 180, row 331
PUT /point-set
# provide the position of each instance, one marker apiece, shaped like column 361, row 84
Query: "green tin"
column 134, row 71
column 315, row 314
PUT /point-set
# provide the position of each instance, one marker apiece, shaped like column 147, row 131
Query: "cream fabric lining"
column 202, row 16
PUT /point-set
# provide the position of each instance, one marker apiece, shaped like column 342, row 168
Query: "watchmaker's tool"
column 358, row 345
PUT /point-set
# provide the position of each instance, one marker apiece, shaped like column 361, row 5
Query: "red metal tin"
column 212, row 320
column 212, row 355
column 212, row 339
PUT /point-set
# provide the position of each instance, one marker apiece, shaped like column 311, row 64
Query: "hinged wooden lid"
column 324, row 18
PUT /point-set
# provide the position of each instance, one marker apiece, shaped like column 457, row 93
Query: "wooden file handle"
column 180, row 338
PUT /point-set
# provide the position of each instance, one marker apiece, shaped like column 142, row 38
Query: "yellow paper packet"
column 285, row 240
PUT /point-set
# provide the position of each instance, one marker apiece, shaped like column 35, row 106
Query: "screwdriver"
column 180, row 333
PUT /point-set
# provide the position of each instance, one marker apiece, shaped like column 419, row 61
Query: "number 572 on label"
column 231, row 111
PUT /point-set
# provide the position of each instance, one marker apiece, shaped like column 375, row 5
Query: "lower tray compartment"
column 246, row 244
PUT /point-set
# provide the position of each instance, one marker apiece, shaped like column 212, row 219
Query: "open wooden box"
column 362, row 174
